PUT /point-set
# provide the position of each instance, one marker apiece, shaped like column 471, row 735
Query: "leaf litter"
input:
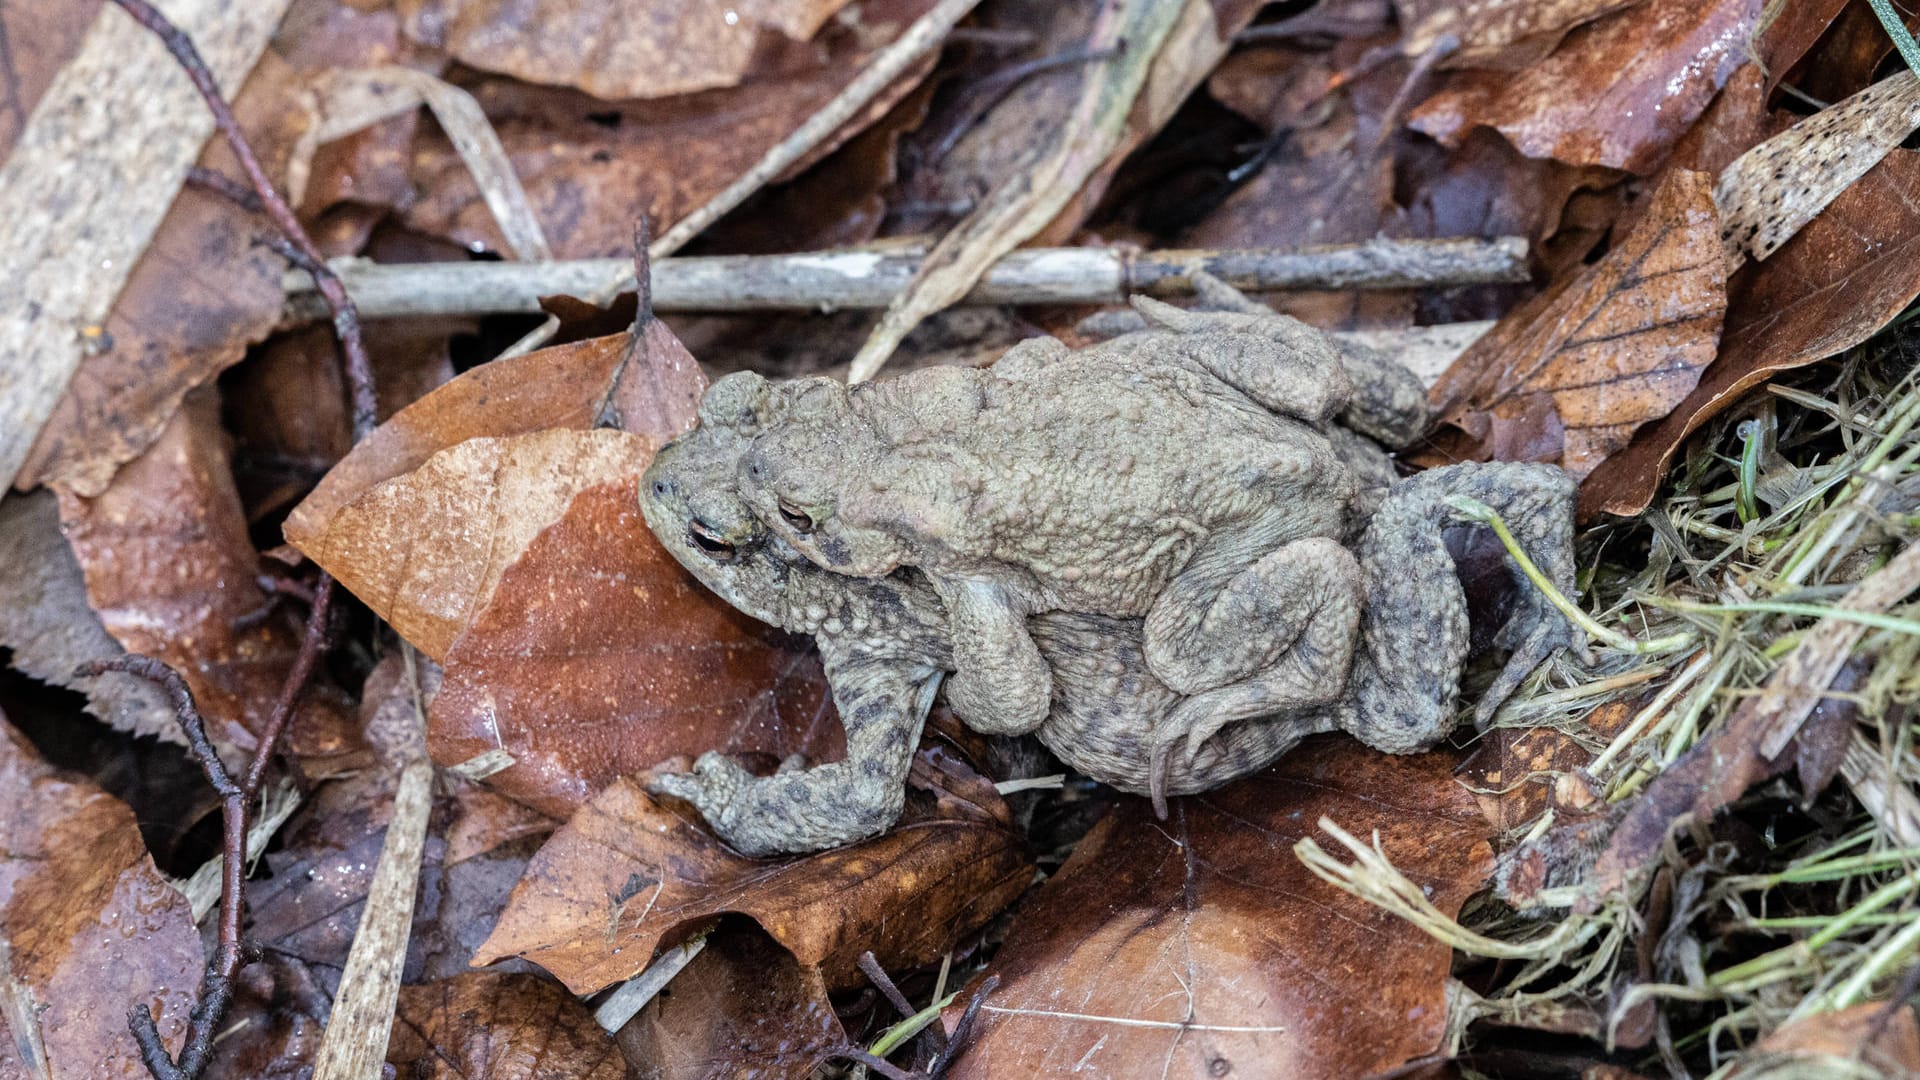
column 1694, row 855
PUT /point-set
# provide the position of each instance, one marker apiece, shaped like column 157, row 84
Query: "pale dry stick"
column 1887, row 798
column 21, row 1015
column 871, row 278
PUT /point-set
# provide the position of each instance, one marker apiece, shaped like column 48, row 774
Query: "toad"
column 886, row 643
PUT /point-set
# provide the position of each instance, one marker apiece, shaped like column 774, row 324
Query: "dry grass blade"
column 1029, row 198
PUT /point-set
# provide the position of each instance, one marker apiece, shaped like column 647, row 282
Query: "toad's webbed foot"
column 798, row 809
column 1415, row 635
column 1276, row 637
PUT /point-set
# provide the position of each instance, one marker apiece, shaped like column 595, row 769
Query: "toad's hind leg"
column 1414, row 635
column 1000, row 685
column 1250, row 638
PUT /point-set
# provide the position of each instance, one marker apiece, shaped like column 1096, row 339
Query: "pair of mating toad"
column 1170, row 556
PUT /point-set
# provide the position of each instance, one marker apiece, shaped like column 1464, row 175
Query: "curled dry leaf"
column 743, row 1007
column 598, row 656
column 1876, row 1038
column 627, row 875
column 1617, row 92
column 591, row 166
column 46, row 621
column 1824, row 292
column 606, row 50
column 1203, row 944
column 89, row 928
column 509, row 1027
column 1574, row 372
column 171, row 569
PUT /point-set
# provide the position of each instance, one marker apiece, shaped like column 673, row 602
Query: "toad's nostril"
column 660, row 488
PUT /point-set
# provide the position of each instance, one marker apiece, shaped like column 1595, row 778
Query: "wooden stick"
column 871, row 278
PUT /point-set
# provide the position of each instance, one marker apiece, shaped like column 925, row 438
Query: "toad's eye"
column 801, row 521
column 717, row 547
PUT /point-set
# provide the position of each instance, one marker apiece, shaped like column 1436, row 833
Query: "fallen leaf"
column 171, row 569
column 1836, row 283
column 510, row 1027
column 627, row 875
column 1774, row 189
column 1573, row 373
column 1516, row 774
column 1205, row 947
column 1502, row 34
column 1617, row 92
column 597, row 656
column 88, row 928
column 592, row 165
column 607, row 52
column 743, row 1007
column 1881, row 1036
column 46, row 621
column 1844, row 59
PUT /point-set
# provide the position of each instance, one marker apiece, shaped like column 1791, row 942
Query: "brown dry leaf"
column 1617, row 92
column 1774, row 189
column 743, row 1007
column 1881, row 1036
column 204, row 290
column 608, row 51
column 1844, row 59
column 1516, row 774
column 1504, row 34
column 1837, row 282
column 46, row 621
column 627, row 874
column 1573, row 373
column 591, row 167
column 508, row 1027
column 426, row 549
column 36, row 40
column 597, row 656
column 89, row 928
column 171, row 569
column 1205, row 947
column 1792, row 33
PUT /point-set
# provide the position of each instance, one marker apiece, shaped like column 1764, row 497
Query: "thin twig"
column 346, row 320
column 312, row 644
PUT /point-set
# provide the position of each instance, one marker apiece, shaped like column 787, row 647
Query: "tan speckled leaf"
column 626, row 875
column 1575, row 372
column 1504, row 34
column 502, row 1026
column 425, row 550
column 1774, row 189
column 1201, row 946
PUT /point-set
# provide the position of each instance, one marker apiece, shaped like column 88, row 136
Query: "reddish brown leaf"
column 1205, row 947
column 170, row 567
column 1505, row 34
column 592, row 164
column 1837, row 282
column 88, row 927
column 743, row 1007
column 607, row 52
column 509, row 1027
column 1617, row 92
column 1516, row 774
column 626, row 875
column 1880, row 1036
column 598, row 657
column 1792, row 33
column 1573, row 373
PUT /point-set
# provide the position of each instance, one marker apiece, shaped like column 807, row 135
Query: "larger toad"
column 886, row 643
column 1184, row 475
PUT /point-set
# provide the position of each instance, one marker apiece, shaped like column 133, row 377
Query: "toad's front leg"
column 882, row 705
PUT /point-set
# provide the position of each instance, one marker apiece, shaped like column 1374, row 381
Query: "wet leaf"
column 1822, row 293
column 743, row 1007
column 46, row 621
column 592, row 164
column 627, row 875
column 88, row 927
column 606, row 51
column 1617, row 92
column 1205, row 947
column 1505, row 34
column 171, row 569
column 512, row 1027
column 598, row 657
column 1573, row 373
